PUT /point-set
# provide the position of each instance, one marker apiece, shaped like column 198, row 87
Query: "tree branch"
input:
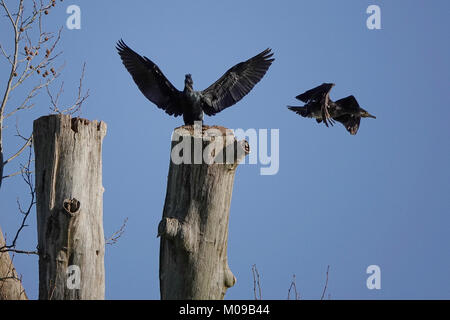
column 326, row 284
column 27, row 143
column 256, row 283
column 79, row 100
column 293, row 287
column 116, row 235
column 28, row 178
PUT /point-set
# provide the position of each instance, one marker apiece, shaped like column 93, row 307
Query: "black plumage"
column 318, row 105
column 225, row 92
column 317, row 102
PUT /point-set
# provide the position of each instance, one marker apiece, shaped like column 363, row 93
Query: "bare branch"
column 14, row 174
column 116, row 235
column 8, row 57
column 28, row 142
column 79, row 100
column 10, row 16
column 256, row 283
column 33, row 92
column 12, row 73
column 28, row 178
column 326, row 284
column 21, row 26
column 31, row 52
column 35, row 61
column 18, row 134
column 27, row 30
column 7, row 249
column 293, row 287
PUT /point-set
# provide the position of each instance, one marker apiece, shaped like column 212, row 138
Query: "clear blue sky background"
column 380, row 197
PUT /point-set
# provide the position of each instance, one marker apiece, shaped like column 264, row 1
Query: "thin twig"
column 28, row 142
column 116, row 235
column 326, row 284
column 28, row 178
column 293, row 287
column 256, row 283
column 13, row 174
column 5, row 249
column 76, row 105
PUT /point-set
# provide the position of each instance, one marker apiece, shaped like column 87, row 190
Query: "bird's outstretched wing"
column 316, row 93
column 349, row 104
column 236, row 83
column 150, row 80
column 351, row 122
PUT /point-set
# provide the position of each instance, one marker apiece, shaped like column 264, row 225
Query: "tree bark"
column 1, row 165
column 69, row 204
column 194, row 226
column 10, row 284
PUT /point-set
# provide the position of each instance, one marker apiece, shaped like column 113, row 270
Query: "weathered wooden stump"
column 69, row 195
column 194, row 226
column 1, row 165
column 10, row 285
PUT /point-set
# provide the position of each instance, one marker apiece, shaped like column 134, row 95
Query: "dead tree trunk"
column 69, row 196
column 1, row 165
column 10, row 284
column 194, row 226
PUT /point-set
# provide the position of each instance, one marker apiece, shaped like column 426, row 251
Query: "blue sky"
column 378, row 198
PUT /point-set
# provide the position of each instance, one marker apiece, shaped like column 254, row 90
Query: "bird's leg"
column 327, row 116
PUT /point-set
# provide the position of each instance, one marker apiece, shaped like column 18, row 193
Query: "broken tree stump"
column 69, row 204
column 194, row 226
column 10, row 283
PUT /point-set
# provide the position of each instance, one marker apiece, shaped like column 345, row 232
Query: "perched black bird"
column 318, row 105
column 225, row 92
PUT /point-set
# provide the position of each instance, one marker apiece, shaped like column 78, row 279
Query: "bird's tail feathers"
column 299, row 110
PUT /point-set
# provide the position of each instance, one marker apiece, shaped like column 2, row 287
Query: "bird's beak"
column 368, row 115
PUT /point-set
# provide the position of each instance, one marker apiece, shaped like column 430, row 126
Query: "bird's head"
column 188, row 83
column 365, row 114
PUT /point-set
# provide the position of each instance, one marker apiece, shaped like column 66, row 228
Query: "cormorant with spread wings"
column 225, row 92
column 318, row 105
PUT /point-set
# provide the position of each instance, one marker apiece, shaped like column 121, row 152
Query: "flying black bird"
column 225, row 92
column 318, row 105
column 350, row 114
